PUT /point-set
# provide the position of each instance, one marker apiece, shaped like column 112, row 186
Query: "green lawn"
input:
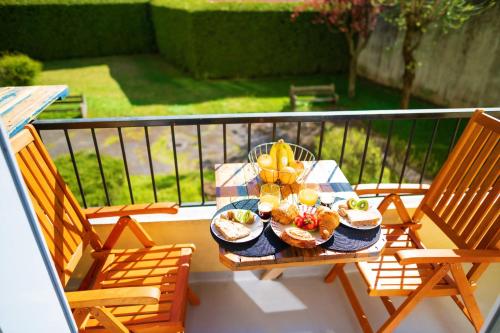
column 144, row 85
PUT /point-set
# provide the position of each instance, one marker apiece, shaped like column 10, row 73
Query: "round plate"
column 346, row 222
column 255, row 228
column 278, row 228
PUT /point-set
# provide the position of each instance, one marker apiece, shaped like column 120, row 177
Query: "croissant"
column 285, row 213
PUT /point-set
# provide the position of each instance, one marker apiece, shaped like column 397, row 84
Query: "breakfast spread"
column 237, row 225
column 304, row 226
column 298, row 237
column 358, row 213
column 231, row 230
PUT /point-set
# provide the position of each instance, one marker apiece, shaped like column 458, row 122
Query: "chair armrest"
column 430, row 256
column 363, row 189
column 126, row 210
column 113, row 297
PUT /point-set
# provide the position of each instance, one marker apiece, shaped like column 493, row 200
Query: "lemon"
column 269, row 176
column 287, row 175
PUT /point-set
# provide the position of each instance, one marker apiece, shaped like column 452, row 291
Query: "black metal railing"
column 368, row 123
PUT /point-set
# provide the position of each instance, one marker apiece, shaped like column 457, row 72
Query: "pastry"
column 298, row 238
column 328, row 221
column 359, row 218
column 231, row 230
column 285, row 213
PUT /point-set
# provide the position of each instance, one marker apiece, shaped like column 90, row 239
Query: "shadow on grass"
column 147, row 79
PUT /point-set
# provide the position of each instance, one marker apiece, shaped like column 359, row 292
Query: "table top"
column 20, row 105
column 237, row 181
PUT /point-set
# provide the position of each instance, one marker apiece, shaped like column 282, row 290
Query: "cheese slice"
column 231, row 230
column 362, row 217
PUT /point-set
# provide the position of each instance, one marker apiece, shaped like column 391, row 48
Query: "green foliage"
column 55, row 29
column 445, row 14
column 18, row 70
column 206, row 39
column 214, row 40
column 353, row 154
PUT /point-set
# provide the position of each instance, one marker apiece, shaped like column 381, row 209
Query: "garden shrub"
column 18, row 70
column 215, row 40
column 58, row 29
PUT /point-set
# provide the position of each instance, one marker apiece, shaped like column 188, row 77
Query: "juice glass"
column 270, row 196
column 308, row 194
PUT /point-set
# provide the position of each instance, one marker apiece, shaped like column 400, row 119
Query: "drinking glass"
column 270, row 196
column 308, row 194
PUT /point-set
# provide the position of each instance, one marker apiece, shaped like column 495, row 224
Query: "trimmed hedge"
column 56, row 29
column 209, row 40
column 215, row 40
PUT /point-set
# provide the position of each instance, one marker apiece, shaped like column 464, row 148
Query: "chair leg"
column 332, row 275
column 388, row 304
column 413, row 299
column 465, row 290
column 462, row 307
column 353, row 300
column 192, row 297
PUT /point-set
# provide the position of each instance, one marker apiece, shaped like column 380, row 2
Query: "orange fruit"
column 265, row 161
column 287, row 175
column 269, row 176
column 298, row 166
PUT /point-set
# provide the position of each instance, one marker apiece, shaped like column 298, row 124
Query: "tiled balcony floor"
column 297, row 303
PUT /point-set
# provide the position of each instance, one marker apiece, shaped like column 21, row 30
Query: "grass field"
column 147, row 85
column 143, row 85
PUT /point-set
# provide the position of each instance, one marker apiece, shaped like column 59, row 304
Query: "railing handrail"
column 272, row 117
column 343, row 118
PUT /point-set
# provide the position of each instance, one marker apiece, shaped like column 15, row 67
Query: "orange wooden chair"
column 139, row 290
column 463, row 202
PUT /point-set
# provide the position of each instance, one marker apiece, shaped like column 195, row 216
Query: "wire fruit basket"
column 296, row 171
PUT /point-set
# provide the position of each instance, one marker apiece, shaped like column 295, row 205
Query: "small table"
column 237, row 181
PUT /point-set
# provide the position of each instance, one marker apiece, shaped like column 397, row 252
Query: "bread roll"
column 298, row 238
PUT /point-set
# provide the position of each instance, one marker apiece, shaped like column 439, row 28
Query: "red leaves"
column 355, row 16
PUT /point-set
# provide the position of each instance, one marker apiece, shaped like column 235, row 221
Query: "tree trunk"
column 411, row 41
column 353, row 72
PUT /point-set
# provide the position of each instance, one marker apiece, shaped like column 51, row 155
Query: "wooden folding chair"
column 463, row 202
column 141, row 290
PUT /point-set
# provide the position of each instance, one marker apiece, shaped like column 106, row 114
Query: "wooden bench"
column 72, row 103
column 314, row 94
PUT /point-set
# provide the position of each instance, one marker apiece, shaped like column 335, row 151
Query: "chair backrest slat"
column 480, row 185
column 52, row 187
column 60, row 254
column 463, row 198
column 55, row 214
column 67, row 232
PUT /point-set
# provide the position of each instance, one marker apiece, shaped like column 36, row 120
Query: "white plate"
column 255, row 228
column 278, row 228
column 346, row 222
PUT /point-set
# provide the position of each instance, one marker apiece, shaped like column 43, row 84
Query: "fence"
column 383, row 129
